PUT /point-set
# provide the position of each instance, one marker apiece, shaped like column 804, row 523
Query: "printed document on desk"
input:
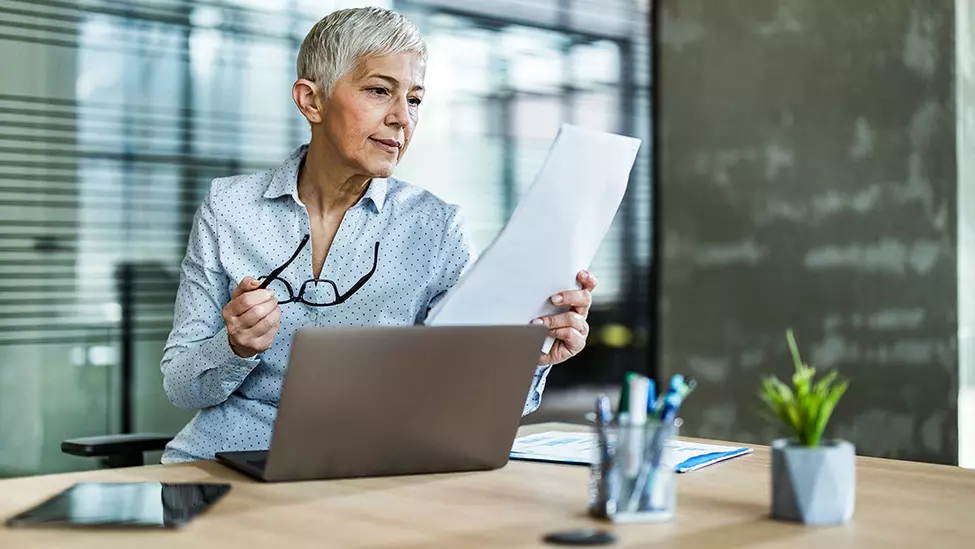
column 581, row 449
column 552, row 235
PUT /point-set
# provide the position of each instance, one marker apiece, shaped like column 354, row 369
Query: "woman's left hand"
column 570, row 328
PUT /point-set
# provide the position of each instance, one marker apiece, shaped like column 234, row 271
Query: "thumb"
column 249, row 283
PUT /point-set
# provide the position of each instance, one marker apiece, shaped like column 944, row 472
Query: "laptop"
column 383, row 401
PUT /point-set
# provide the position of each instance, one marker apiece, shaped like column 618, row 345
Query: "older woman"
column 327, row 238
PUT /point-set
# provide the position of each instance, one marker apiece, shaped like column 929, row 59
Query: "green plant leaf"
column 822, row 386
column 794, row 349
column 810, row 415
column 778, row 397
column 806, row 407
column 805, row 397
column 788, row 404
column 829, row 404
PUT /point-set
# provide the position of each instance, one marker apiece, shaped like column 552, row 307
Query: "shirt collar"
column 284, row 181
column 376, row 193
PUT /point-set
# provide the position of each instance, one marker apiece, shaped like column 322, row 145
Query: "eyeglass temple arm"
column 365, row 278
column 276, row 272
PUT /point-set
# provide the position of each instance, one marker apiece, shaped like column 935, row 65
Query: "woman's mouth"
column 387, row 145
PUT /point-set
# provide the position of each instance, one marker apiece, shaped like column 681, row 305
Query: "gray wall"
column 965, row 71
column 808, row 180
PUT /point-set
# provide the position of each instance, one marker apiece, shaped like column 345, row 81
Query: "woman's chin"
column 382, row 171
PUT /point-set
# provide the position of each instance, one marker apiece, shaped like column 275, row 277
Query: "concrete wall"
column 965, row 83
column 808, row 180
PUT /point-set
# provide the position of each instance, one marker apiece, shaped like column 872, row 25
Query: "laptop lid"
column 380, row 401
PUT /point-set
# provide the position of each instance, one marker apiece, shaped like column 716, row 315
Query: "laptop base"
column 251, row 463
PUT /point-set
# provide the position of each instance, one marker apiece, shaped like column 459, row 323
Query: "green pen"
column 624, row 405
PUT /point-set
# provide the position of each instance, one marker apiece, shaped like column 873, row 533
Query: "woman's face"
column 372, row 112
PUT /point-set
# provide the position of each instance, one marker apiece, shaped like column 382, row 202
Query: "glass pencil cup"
column 632, row 478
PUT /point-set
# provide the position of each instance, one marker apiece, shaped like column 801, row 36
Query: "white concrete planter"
column 815, row 486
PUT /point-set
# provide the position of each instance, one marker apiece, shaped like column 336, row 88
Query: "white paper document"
column 582, row 448
column 552, row 235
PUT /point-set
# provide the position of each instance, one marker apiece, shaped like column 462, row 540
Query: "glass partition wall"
column 115, row 116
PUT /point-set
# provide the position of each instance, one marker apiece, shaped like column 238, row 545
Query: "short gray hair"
column 336, row 44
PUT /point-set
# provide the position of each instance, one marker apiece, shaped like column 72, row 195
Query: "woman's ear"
column 306, row 96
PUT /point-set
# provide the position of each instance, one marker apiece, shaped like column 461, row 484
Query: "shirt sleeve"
column 455, row 256
column 199, row 368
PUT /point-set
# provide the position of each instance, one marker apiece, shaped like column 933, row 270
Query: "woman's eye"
column 415, row 101
column 379, row 91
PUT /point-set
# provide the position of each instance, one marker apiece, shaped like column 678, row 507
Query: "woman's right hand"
column 252, row 318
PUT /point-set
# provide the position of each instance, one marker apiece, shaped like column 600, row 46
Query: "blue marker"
column 671, row 405
column 651, row 398
column 676, row 382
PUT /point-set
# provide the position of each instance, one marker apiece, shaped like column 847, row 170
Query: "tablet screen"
column 124, row 504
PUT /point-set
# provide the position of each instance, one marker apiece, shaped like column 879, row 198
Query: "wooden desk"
column 899, row 504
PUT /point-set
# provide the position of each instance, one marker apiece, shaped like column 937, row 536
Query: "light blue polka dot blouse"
column 249, row 225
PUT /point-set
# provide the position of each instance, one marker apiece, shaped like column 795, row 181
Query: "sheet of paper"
column 582, row 448
column 552, row 235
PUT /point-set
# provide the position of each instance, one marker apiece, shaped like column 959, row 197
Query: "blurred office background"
column 115, row 115
column 803, row 166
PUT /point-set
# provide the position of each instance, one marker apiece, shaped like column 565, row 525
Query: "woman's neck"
column 324, row 187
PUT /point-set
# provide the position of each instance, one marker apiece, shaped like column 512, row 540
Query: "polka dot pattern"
column 249, row 225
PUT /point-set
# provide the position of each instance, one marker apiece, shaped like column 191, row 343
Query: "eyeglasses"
column 281, row 286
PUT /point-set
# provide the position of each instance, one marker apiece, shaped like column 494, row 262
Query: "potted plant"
column 813, row 480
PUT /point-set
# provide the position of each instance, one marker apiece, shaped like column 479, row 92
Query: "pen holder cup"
column 632, row 478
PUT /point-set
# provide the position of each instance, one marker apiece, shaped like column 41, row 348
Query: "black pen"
column 603, row 419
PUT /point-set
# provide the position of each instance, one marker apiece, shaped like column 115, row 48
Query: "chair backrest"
column 146, row 292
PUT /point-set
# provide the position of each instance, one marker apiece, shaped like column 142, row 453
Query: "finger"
column 579, row 300
column 558, row 353
column 248, row 300
column 255, row 315
column 547, row 359
column 249, row 283
column 265, row 329
column 260, row 336
column 572, row 338
column 569, row 319
column 587, row 280
column 569, row 343
column 267, row 340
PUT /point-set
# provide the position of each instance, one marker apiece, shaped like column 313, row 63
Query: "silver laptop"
column 383, row 401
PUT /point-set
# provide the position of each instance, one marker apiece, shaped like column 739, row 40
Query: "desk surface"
column 899, row 504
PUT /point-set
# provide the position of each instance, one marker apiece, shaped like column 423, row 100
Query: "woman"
column 335, row 240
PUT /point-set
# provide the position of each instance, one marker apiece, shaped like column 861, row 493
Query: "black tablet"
column 122, row 504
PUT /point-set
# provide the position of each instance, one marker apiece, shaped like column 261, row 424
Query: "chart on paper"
column 582, row 449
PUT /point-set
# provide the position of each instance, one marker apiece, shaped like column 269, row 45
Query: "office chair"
column 125, row 450
column 154, row 286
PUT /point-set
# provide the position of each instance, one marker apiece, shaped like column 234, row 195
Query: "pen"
column 632, row 425
column 639, row 394
column 668, row 413
column 651, row 398
column 632, row 434
column 623, row 411
column 603, row 419
column 677, row 384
